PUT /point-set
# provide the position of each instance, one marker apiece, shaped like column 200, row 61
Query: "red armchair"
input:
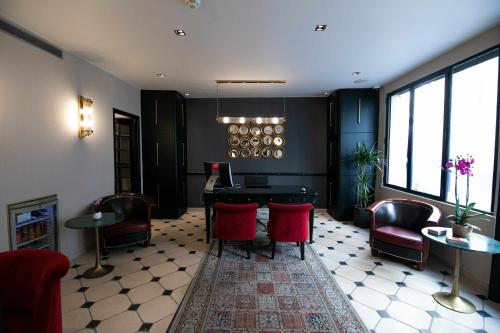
column 30, row 290
column 395, row 228
column 288, row 223
column 235, row 222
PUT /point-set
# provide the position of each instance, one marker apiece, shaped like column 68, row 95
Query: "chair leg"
column 273, row 243
column 374, row 252
column 249, row 245
column 298, row 243
column 420, row 266
column 221, row 245
column 302, row 251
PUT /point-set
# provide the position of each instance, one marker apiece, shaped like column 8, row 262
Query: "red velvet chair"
column 288, row 223
column 30, row 290
column 235, row 222
column 396, row 225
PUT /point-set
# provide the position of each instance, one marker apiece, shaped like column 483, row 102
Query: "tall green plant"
column 366, row 159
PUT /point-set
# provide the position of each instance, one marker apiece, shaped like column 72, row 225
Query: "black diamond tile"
column 137, row 259
column 199, row 240
column 330, row 232
column 342, row 263
column 356, row 232
column 483, row 313
column 344, row 223
column 192, row 252
column 152, row 245
column 170, row 259
column 444, row 273
column 116, row 278
column 190, row 234
column 124, row 291
column 480, row 331
column 348, row 237
column 87, row 305
column 321, row 254
column 157, row 229
column 182, row 269
column 401, row 284
column 333, row 272
column 369, row 273
column 330, row 248
column 340, row 242
column 93, row 324
column 407, row 273
column 172, row 239
column 442, row 284
column 145, row 327
column 145, row 268
column 360, row 248
column 378, row 263
column 484, row 298
column 321, row 236
column 338, row 227
column 161, row 251
column 134, row 307
column 433, row 314
column 383, row 314
column 181, row 229
column 164, row 234
column 82, row 289
column 182, row 245
column 167, row 292
column 359, row 284
column 130, row 251
column 155, row 279
column 75, row 266
column 349, row 297
column 393, row 297
column 322, row 223
column 352, row 255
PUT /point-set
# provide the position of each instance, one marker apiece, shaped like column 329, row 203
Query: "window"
column 451, row 112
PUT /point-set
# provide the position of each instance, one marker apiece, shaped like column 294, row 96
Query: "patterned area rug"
column 233, row 294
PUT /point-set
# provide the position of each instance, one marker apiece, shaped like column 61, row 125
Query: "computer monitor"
column 220, row 169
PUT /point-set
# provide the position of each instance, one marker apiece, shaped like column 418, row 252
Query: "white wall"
column 40, row 151
column 476, row 267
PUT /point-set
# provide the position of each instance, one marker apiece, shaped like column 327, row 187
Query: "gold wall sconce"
column 86, row 122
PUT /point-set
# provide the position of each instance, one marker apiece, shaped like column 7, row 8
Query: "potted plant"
column 462, row 166
column 367, row 159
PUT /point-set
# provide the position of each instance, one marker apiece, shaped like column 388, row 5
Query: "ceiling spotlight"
column 326, row 93
column 320, row 27
column 186, row 94
column 356, row 73
column 161, row 74
column 180, row 33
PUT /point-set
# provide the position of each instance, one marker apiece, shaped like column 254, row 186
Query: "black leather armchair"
column 136, row 225
column 395, row 228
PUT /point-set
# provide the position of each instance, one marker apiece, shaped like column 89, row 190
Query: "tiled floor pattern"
column 147, row 285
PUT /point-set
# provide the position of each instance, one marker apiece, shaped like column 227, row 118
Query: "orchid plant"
column 462, row 166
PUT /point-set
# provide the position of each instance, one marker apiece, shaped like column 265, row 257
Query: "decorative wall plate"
column 279, row 129
column 233, row 129
column 278, row 153
column 233, row 141
column 245, row 153
column 244, row 130
column 233, row 153
column 255, row 153
column 255, row 141
column 244, row 142
column 266, row 152
column 267, row 130
column 267, row 140
column 278, row 141
column 256, row 130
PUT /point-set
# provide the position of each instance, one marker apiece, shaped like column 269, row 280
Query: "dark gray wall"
column 305, row 141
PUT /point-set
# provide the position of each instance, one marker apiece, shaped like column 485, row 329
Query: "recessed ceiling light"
column 320, row 27
column 161, row 74
column 186, row 94
column 356, row 73
column 326, row 93
column 180, row 33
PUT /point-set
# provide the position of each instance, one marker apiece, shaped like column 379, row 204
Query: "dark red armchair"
column 30, row 290
column 396, row 225
column 288, row 223
column 136, row 225
column 235, row 222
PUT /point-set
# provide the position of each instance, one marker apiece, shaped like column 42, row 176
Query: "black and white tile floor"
column 147, row 285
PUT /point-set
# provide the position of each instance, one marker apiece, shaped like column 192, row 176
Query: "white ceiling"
column 255, row 39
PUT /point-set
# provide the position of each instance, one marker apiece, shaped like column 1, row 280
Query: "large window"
column 448, row 113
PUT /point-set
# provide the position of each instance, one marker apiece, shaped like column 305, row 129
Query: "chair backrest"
column 236, row 221
column 289, row 222
column 405, row 214
column 130, row 206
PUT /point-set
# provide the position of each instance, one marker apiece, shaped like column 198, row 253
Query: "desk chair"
column 235, row 222
column 288, row 223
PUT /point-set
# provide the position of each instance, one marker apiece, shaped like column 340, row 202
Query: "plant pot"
column 461, row 231
column 361, row 217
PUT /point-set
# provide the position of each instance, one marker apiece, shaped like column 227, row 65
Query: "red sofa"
column 30, row 290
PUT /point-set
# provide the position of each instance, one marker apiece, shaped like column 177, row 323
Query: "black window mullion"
column 409, row 156
column 446, row 134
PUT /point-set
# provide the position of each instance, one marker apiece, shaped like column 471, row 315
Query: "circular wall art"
column 255, row 141
column 233, row 141
column 267, row 140
column 245, row 153
column 267, row 130
column 278, row 141
column 278, row 153
column 244, row 130
column 233, row 153
column 279, row 129
column 255, row 130
column 266, row 153
column 244, row 142
column 233, row 129
column 255, row 153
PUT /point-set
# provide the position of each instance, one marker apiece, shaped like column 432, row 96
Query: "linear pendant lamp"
column 250, row 120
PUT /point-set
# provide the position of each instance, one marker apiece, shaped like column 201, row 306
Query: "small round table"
column 88, row 222
column 477, row 243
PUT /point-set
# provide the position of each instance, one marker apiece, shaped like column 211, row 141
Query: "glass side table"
column 87, row 222
column 477, row 243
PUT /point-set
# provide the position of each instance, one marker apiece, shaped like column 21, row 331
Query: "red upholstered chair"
column 30, row 290
column 288, row 223
column 396, row 225
column 235, row 222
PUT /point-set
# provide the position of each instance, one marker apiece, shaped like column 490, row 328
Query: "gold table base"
column 98, row 270
column 455, row 303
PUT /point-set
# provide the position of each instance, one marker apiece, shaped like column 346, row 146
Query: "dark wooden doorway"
column 127, row 153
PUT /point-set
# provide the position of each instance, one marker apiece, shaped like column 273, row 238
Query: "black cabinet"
column 352, row 118
column 164, row 151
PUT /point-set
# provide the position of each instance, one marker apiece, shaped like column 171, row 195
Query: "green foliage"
column 367, row 159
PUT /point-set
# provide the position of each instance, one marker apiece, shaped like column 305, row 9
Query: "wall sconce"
column 86, row 124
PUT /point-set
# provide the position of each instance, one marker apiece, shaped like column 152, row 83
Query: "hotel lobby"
column 249, row 166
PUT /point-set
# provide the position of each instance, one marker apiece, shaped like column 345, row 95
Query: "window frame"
column 447, row 73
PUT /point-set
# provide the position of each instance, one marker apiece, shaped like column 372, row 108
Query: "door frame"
column 135, row 158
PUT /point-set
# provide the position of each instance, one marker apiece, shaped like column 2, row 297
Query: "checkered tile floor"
column 147, row 285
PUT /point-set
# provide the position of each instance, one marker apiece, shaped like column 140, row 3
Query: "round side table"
column 87, row 222
column 477, row 243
